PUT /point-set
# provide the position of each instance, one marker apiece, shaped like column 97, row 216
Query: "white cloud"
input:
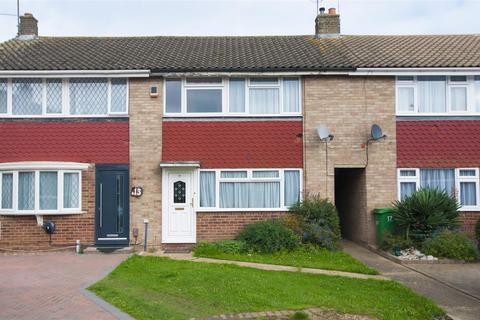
column 240, row 17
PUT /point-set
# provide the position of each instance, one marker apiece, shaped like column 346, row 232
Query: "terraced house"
column 199, row 136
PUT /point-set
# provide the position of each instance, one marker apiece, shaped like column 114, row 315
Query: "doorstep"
column 108, row 250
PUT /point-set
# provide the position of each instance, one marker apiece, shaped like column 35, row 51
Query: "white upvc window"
column 236, row 96
column 54, row 97
column 248, row 189
column 463, row 183
column 438, row 95
column 40, row 192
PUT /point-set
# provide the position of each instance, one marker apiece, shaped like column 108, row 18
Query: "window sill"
column 241, row 210
column 32, row 213
column 469, row 209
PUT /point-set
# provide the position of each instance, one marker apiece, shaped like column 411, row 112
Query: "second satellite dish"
column 324, row 133
column 377, row 132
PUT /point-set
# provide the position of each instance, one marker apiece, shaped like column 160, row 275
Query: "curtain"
column 265, row 174
column 26, row 190
column 292, row 187
column 468, row 194
column 406, row 98
column 291, row 95
column 27, row 96
column 233, row 174
column 88, row 96
column 458, row 98
column 264, row 101
column 406, row 189
column 54, row 96
column 207, row 189
column 442, row 179
column 48, row 190
column 71, row 190
column 250, row 194
column 7, row 190
column 477, row 93
column 3, row 96
column 173, row 96
column 432, row 94
column 237, row 95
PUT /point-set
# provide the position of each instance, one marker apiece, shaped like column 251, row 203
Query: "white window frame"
column 65, row 101
column 458, row 180
column 226, row 96
column 470, row 88
column 37, row 167
column 249, row 178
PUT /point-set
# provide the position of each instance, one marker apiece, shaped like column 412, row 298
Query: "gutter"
column 74, row 73
column 414, row 71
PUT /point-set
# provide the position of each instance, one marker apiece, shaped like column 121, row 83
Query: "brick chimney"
column 28, row 27
column 327, row 25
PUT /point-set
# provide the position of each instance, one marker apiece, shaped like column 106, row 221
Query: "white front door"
column 179, row 224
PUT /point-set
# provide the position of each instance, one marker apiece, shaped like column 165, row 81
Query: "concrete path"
column 459, row 305
column 51, row 286
column 272, row 267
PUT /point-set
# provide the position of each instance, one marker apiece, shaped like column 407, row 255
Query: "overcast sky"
column 239, row 17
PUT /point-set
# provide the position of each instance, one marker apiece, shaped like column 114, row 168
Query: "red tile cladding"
column 438, row 144
column 234, row 144
column 76, row 141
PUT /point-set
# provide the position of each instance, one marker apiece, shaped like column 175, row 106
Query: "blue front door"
column 112, row 205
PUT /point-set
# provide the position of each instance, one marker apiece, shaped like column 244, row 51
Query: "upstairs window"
column 438, row 95
column 63, row 97
column 263, row 96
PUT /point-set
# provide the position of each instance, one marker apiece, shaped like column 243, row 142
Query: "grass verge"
column 302, row 257
column 160, row 288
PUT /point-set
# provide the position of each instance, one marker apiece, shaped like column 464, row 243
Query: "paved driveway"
column 49, row 286
column 455, row 287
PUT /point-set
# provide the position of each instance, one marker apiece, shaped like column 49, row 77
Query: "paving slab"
column 50, row 285
column 437, row 284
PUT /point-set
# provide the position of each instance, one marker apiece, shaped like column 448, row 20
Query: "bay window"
column 249, row 189
column 462, row 183
column 40, row 191
column 437, row 95
column 263, row 96
column 33, row 97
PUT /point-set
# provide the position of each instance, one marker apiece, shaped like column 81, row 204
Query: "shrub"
column 425, row 212
column 451, row 245
column 477, row 232
column 391, row 241
column 226, row 246
column 300, row 315
column 269, row 236
column 316, row 221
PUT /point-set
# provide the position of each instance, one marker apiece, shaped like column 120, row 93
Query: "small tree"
column 316, row 221
column 424, row 212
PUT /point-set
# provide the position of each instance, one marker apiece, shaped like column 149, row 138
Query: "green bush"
column 316, row 221
column 300, row 315
column 269, row 236
column 477, row 232
column 226, row 246
column 451, row 245
column 391, row 241
column 425, row 212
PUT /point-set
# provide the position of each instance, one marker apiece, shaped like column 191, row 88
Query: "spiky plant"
column 424, row 212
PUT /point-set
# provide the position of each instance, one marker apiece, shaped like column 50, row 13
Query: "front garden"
column 427, row 228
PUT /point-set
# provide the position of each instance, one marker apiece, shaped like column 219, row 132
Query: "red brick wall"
column 22, row 232
column 212, row 226
column 469, row 219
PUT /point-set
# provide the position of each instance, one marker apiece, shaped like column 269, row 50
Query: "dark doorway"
column 351, row 202
column 112, row 206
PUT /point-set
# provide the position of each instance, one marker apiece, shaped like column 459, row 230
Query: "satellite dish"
column 377, row 132
column 324, row 133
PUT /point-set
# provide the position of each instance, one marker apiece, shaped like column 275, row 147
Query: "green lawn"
column 313, row 258
column 160, row 288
